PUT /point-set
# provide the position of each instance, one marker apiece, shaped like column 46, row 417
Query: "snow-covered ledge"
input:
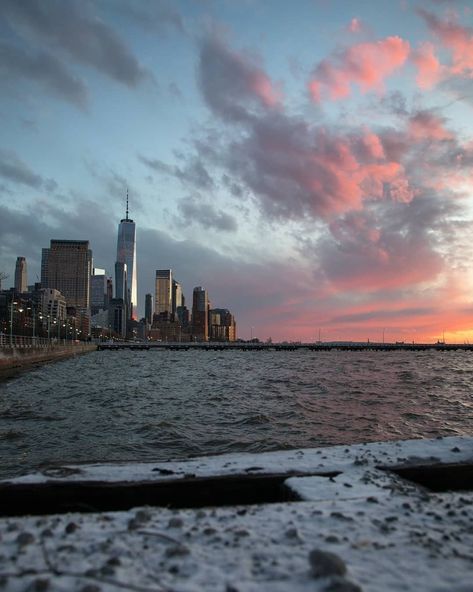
column 357, row 525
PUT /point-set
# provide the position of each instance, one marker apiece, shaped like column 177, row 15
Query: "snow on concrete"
column 336, row 458
column 372, row 531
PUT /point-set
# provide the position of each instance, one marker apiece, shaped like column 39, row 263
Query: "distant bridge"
column 241, row 346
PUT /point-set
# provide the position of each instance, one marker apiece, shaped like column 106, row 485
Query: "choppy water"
column 156, row 405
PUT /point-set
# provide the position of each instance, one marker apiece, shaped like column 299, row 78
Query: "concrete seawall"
column 16, row 359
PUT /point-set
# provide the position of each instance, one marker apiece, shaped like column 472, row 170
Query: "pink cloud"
column 263, row 88
column 355, row 25
column 428, row 66
column 365, row 64
column 372, row 145
column 372, row 250
column 300, row 171
column 458, row 39
column 427, row 126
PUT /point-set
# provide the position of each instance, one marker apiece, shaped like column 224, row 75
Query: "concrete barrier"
column 384, row 516
column 16, row 359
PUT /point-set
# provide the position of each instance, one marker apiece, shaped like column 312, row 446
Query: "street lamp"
column 33, row 310
column 11, row 321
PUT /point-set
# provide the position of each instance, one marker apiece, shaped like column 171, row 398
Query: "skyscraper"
column 149, row 308
column 126, row 253
column 44, row 267
column 69, row 271
column 200, row 314
column 98, row 291
column 222, row 326
column 163, row 292
column 177, row 297
column 21, row 281
column 121, row 282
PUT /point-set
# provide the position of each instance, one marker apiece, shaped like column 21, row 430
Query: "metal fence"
column 7, row 341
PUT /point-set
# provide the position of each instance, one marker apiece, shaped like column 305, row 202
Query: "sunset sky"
column 310, row 163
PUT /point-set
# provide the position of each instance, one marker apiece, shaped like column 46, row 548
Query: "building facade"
column 44, row 267
column 69, row 271
column 21, row 280
column 163, row 293
column 177, row 297
column 222, row 326
column 200, row 314
column 149, row 308
column 98, row 291
column 53, row 304
column 117, row 316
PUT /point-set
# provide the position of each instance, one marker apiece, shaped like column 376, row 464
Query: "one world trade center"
column 125, row 268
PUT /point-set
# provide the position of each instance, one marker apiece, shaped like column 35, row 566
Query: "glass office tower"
column 126, row 253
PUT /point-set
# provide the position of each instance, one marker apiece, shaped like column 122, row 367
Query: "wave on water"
column 142, row 406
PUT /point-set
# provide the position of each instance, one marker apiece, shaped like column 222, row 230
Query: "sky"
column 309, row 163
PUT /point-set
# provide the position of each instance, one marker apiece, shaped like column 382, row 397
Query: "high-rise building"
column 21, row 282
column 200, row 314
column 109, row 294
column 177, row 297
column 126, row 253
column 163, row 293
column 53, row 304
column 149, row 308
column 183, row 316
column 44, row 267
column 121, row 281
column 222, row 325
column 69, row 271
column 98, row 291
column 117, row 316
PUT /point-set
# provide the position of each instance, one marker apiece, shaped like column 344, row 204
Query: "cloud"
column 366, row 64
column 383, row 314
column 392, row 103
column 43, row 68
column 425, row 125
column 193, row 173
column 385, row 200
column 193, row 210
column 158, row 15
column 42, row 220
column 297, row 171
column 266, row 287
column 70, row 28
column 429, row 68
column 355, row 25
column 389, row 245
column 456, row 38
column 16, row 171
column 174, row 90
column 232, row 84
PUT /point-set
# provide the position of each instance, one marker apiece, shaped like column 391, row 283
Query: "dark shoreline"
column 18, row 360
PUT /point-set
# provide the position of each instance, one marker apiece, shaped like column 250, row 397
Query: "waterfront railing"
column 26, row 341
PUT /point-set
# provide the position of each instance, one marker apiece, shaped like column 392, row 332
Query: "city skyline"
column 309, row 165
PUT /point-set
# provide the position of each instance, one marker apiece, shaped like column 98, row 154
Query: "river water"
column 159, row 405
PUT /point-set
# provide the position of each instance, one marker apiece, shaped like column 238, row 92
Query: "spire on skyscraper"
column 126, row 254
